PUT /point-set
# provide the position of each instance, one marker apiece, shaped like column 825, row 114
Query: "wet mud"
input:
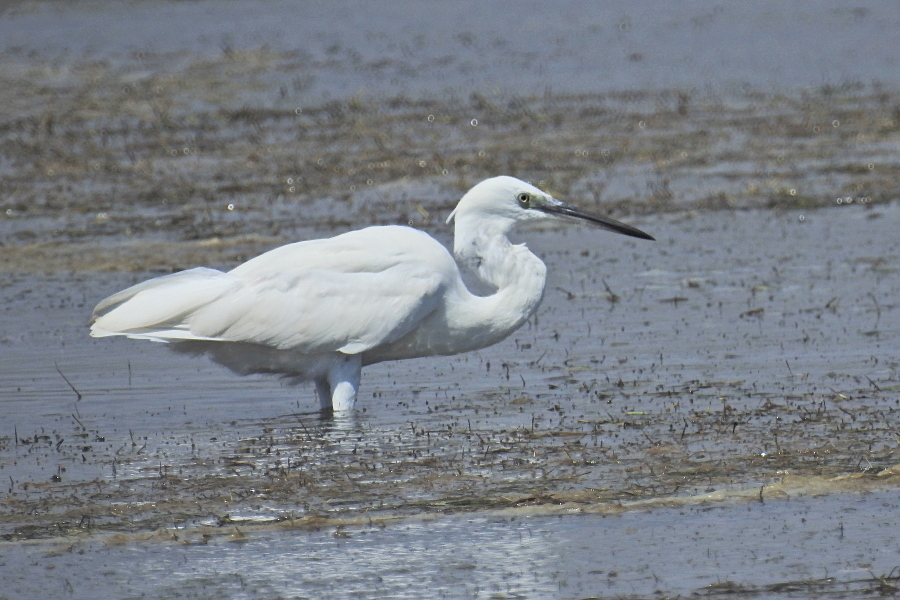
column 715, row 413
column 684, row 376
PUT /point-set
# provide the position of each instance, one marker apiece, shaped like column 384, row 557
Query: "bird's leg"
column 323, row 391
column 343, row 377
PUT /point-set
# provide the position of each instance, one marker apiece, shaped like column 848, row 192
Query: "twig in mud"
column 789, row 367
column 877, row 311
column 884, row 587
column 846, row 412
column 611, row 297
column 79, row 422
column 299, row 420
column 874, row 385
column 77, row 393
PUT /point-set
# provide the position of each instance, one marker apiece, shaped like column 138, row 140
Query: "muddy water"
column 714, row 413
column 682, row 374
column 756, row 550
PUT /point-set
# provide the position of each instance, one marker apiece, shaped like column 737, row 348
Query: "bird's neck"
column 485, row 249
column 517, row 274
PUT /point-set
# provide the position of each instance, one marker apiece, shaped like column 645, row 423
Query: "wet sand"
column 714, row 413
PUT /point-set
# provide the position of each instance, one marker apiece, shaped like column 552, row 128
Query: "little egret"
column 320, row 310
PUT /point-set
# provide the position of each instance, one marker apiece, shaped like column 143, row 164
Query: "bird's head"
column 507, row 201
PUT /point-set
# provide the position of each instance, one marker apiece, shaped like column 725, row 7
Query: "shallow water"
column 709, row 370
column 714, row 413
column 338, row 49
column 836, row 546
column 726, row 366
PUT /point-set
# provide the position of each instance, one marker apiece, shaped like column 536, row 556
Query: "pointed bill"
column 555, row 207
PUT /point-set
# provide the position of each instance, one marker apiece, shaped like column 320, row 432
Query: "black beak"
column 564, row 210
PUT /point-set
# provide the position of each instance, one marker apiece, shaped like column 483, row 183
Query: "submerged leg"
column 343, row 378
column 323, row 391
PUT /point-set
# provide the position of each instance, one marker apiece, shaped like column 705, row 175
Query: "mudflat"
column 712, row 413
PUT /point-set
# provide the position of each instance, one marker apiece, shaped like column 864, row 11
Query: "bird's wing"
column 349, row 293
column 157, row 309
column 318, row 310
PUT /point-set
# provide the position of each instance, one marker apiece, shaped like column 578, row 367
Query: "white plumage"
column 319, row 310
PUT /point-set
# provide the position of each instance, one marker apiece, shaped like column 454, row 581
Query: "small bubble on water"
column 431, row 118
column 473, row 122
column 801, row 218
column 445, row 172
column 835, row 123
column 230, row 207
column 290, row 180
column 422, row 163
column 291, row 189
column 298, row 111
column 369, row 182
column 793, row 192
column 410, row 222
column 871, row 166
column 481, row 153
column 9, row 212
column 352, row 188
column 641, row 124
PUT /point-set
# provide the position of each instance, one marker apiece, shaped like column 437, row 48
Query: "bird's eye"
column 524, row 199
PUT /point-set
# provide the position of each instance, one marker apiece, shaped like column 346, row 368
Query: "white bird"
column 320, row 310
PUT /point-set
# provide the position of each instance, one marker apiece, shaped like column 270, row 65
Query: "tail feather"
column 156, row 309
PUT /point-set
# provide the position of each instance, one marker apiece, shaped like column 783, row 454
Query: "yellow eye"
column 524, row 199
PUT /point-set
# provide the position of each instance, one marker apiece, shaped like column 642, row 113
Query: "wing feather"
column 349, row 293
column 313, row 310
column 158, row 304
